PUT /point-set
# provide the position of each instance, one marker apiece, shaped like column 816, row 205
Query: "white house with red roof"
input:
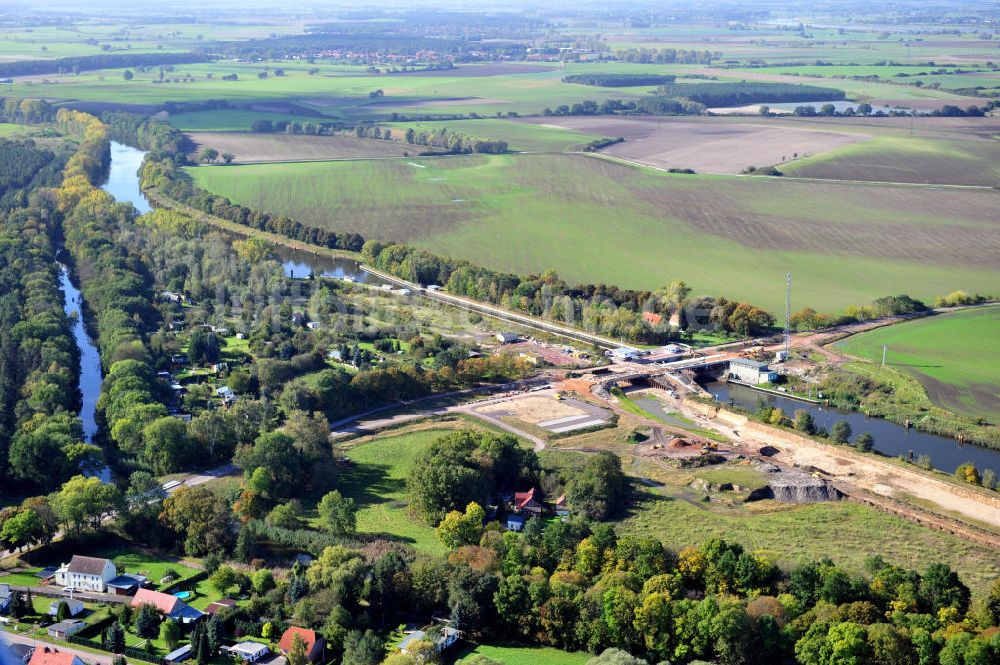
column 528, row 502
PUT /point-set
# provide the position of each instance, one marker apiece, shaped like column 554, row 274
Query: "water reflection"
column 890, row 439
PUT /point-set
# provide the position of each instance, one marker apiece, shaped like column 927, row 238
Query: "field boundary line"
column 873, row 183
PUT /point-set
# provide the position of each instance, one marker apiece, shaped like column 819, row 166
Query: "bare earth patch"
column 250, row 148
column 706, row 145
column 534, row 409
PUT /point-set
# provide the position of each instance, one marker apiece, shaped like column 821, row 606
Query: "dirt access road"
column 850, row 467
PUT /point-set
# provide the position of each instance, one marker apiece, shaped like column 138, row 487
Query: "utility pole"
column 788, row 314
column 885, row 350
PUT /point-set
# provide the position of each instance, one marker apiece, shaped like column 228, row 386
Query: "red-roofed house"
column 168, row 605
column 652, row 318
column 314, row 642
column 52, row 656
column 528, row 502
column 561, row 507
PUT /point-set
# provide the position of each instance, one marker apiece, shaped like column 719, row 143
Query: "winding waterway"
column 890, row 439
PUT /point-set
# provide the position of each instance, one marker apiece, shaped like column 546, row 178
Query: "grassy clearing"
column 956, row 357
column 376, row 480
column 511, row 654
column 11, row 129
column 791, row 534
column 597, row 221
column 738, row 474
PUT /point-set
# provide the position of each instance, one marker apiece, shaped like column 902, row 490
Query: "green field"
column 956, row 357
column 593, row 220
column 376, row 480
column 914, row 159
column 10, row 129
column 846, row 532
column 525, row 655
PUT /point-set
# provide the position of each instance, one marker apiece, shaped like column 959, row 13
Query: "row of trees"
column 76, row 64
column 666, row 56
column 748, row 92
column 606, row 80
column 30, row 111
column 598, row 308
column 41, row 439
column 453, row 142
column 164, row 175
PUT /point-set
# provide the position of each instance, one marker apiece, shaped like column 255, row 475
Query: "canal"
column 890, row 439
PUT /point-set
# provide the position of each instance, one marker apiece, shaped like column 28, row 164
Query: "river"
column 890, row 439
column 123, row 184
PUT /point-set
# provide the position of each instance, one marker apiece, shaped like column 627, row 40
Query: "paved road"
column 86, row 656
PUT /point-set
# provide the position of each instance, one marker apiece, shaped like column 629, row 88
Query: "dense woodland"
column 747, row 92
column 41, row 439
column 619, row 80
column 80, row 63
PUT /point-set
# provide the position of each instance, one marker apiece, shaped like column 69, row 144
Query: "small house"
column 226, row 393
column 248, row 652
column 652, row 318
column 508, row 337
column 313, row 325
column 169, row 606
column 64, row 629
column 75, row 606
column 18, row 654
column 86, row 573
column 751, row 371
column 314, row 643
column 51, row 656
column 446, row 637
column 240, row 336
column 625, row 354
column 170, row 296
column 220, row 604
column 6, row 597
column 178, row 655
column 515, row 522
column 527, row 502
column 126, row 584
column 561, row 507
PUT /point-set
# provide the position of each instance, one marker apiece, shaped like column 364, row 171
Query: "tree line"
column 41, row 438
column 80, row 63
column 453, row 142
column 666, row 56
column 606, row 80
column 749, row 92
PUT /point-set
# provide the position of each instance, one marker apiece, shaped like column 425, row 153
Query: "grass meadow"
column 790, row 534
column 9, row 129
column 376, row 480
column 594, row 220
column 956, row 357
column 912, row 159
column 513, row 654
